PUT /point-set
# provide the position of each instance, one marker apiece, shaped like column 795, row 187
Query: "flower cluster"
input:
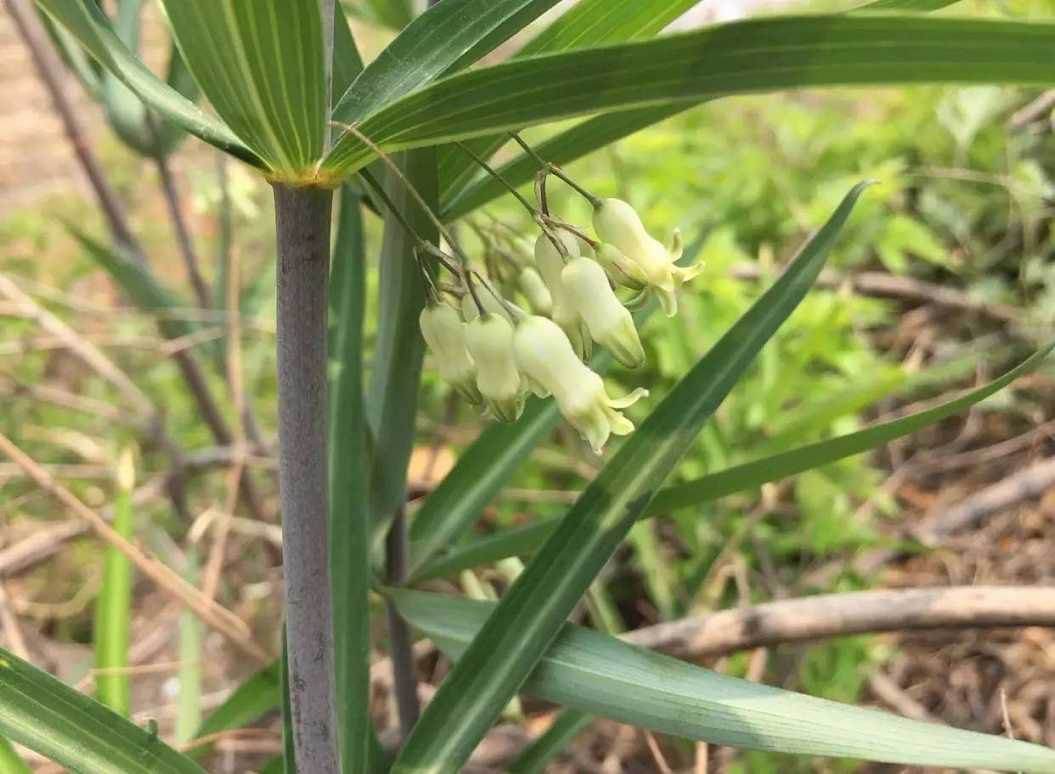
column 529, row 322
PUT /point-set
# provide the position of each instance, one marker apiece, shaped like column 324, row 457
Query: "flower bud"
column 609, row 322
column 489, row 339
column 536, row 291
column 618, row 223
column 444, row 333
column 622, row 270
column 550, row 264
column 544, row 354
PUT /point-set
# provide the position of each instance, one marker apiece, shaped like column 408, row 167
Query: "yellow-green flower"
column 610, row 324
column 489, row 339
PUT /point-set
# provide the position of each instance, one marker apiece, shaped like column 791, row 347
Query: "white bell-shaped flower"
column 550, row 264
column 535, row 290
column 618, row 224
column 489, row 339
column 610, row 323
column 545, row 355
column 444, row 333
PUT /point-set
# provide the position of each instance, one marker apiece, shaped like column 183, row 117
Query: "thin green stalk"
column 113, row 608
column 302, row 225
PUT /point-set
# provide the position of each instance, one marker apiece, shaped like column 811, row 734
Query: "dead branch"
column 837, row 615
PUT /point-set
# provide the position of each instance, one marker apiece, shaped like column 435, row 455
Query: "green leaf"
column 589, row 23
column 113, row 612
column 261, row 66
column 599, row 674
column 531, row 613
column 43, row 714
column 392, row 399
column 906, row 5
column 525, row 540
column 448, row 36
column 86, row 22
column 259, row 694
column 739, row 58
column 347, row 63
column 460, row 194
column 349, row 484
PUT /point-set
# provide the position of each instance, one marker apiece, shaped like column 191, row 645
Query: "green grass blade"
column 526, row 540
column 261, row 66
column 588, row 23
column 447, row 36
column 757, row 55
column 349, row 491
column 10, row 761
column 531, row 613
column 113, row 608
column 49, row 717
column 906, row 5
column 86, row 22
column 537, row 755
column 597, row 673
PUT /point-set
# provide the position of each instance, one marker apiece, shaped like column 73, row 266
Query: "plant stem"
column 183, row 237
column 302, row 225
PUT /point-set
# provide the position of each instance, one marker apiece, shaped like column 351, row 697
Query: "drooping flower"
column 489, row 339
column 535, row 290
column 550, row 264
column 618, row 224
column 609, row 322
column 444, row 333
column 545, row 355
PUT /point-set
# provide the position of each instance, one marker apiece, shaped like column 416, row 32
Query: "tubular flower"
column 550, row 264
column 610, row 324
column 444, row 333
column 618, row 224
column 489, row 339
column 545, row 355
column 535, row 290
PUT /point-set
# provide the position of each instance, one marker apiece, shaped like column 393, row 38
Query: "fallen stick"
column 166, row 579
column 836, row 615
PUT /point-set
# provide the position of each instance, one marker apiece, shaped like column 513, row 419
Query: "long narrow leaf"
column 86, row 22
column 40, row 712
column 526, row 540
column 534, row 758
column 399, row 350
column 738, row 58
column 449, row 35
column 460, row 195
column 532, row 612
column 259, row 694
column 261, row 66
column 600, row 674
column 349, row 492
